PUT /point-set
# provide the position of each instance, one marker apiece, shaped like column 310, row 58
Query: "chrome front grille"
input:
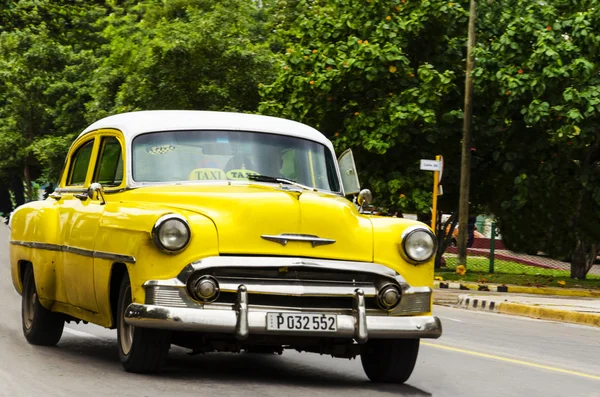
column 294, row 284
column 418, row 302
column 294, row 287
column 165, row 296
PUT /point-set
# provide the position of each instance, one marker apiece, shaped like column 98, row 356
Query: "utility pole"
column 465, row 165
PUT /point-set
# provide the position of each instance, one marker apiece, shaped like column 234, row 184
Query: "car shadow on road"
column 235, row 369
column 275, row 370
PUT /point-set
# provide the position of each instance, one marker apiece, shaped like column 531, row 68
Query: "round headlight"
column 171, row 233
column 419, row 244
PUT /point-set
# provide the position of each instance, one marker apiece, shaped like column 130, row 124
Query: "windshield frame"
column 131, row 183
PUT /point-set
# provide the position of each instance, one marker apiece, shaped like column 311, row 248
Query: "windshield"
column 176, row 156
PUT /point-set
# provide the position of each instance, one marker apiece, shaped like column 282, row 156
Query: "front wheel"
column 141, row 350
column 389, row 360
column 40, row 326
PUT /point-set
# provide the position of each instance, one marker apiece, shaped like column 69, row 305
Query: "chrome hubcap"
column 125, row 330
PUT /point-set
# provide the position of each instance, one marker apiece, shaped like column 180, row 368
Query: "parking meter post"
column 492, row 246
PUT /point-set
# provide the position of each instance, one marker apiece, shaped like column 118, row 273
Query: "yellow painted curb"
column 549, row 314
column 584, row 293
column 555, row 291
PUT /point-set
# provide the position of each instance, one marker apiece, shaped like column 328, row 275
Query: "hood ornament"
column 283, row 239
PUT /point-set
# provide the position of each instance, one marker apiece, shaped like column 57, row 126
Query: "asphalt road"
column 480, row 354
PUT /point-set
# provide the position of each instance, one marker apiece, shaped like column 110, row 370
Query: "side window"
column 109, row 168
column 80, row 163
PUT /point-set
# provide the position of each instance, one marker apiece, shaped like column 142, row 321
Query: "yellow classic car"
column 222, row 232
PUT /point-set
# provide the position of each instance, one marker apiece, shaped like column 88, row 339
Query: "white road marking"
column 452, row 319
column 80, row 333
column 488, row 313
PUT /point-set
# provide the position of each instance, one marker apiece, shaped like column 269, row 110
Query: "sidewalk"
column 578, row 310
column 554, row 291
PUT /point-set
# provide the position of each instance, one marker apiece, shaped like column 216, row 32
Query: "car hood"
column 250, row 219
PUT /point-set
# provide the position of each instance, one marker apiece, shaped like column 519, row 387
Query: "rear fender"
column 36, row 222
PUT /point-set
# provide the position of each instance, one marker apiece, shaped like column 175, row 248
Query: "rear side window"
column 109, row 168
column 80, row 164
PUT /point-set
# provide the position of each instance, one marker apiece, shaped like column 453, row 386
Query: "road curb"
column 476, row 303
column 543, row 313
column 585, row 293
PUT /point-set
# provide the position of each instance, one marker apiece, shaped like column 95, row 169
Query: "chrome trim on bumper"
column 242, row 322
column 250, row 262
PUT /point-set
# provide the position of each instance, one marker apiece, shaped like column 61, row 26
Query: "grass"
column 507, row 272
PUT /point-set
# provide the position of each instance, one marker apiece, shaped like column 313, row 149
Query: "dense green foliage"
column 64, row 64
column 381, row 77
column 197, row 54
column 538, row 96
column 384, row 78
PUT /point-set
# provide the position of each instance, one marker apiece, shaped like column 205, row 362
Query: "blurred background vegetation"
column 385, row 78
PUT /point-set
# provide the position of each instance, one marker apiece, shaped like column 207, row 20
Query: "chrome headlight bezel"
column 160, row 223
column 411, row 231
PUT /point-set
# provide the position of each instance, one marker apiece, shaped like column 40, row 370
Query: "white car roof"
column 135, row 123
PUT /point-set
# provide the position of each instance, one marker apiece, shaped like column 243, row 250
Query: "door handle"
column 55, row 196
column 81, row 196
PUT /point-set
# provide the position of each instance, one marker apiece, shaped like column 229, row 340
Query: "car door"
column 78, row 223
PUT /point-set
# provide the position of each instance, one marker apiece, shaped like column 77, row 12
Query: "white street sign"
column 431, row 165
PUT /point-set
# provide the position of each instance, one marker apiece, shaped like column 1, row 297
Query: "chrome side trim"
column 284, row 238
column 75, row 250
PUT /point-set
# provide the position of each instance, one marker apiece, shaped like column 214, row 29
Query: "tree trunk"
column 5, row 203
column 28, row 185
column 18, row 189
column 585, row 253
column 583, row 259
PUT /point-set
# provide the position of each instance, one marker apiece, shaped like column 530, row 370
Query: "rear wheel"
column 40, row 325
column 389, row 360
column 141, row 350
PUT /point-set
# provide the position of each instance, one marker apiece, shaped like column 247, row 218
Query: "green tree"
column 537, row 116
column 182, row 55
column 381, row 77
column 44, row 74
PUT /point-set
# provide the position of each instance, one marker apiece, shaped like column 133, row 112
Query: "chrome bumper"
column 242, row 321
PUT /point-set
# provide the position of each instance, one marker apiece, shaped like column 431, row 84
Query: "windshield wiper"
column 272, row 179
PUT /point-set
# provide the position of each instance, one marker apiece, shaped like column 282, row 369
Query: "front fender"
column 387, row 246
column 125, row 228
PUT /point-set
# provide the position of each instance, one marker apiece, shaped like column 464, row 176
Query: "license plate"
column 306, row 322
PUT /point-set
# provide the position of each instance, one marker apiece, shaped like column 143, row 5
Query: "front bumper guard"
column 243, row 321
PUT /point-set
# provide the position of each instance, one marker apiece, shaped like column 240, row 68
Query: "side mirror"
column 364, row 198
column 348, row 172
column 96, row 193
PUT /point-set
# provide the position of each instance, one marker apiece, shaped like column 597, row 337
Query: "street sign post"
column 431, row 165
column 437, row 166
